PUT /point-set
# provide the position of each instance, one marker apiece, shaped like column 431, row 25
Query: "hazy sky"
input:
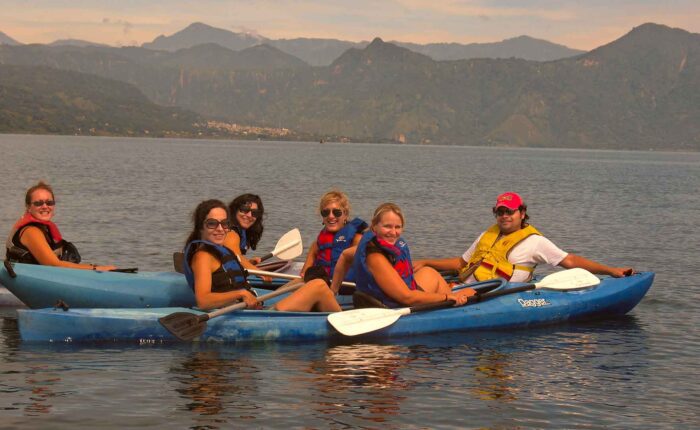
column 582, row 24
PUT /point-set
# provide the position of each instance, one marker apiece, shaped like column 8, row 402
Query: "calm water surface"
column 128, row 202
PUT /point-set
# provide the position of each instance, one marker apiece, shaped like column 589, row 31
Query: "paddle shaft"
column 287, row 276
column 10, row 269
column 491, row 294
column 243, row 305
column 473, row 299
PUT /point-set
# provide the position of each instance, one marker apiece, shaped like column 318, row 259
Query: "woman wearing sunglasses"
column 384, row 270
column 246, row 228
column 337, row 235
column 215, row 274
column 35, row 239
column 246, row 223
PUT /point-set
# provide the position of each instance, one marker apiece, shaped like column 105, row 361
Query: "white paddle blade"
column 289, row 246
column 359, row 321
column 571, row 279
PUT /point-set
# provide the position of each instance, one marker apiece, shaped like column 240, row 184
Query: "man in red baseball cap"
column 512, row 248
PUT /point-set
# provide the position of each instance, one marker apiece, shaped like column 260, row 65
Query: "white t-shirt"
column 533, row 250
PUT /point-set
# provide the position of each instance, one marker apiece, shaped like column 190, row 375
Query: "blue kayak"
column 42, row 286
column 612, row 297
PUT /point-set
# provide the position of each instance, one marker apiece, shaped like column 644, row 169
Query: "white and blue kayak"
column 43, row 286
column 519, row 309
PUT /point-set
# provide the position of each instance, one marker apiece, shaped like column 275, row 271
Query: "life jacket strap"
column 498, row 271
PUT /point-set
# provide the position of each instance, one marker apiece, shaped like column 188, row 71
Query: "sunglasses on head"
column 212, row 224
column 253, row 212
column 336, row 212
column 500, row 211
column 40, row 203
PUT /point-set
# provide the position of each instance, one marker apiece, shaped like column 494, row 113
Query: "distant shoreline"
column 348, row 141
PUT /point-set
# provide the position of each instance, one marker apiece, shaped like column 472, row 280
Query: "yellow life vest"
column 490, row 258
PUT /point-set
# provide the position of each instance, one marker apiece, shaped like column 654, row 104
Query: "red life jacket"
column 401, row 261
column 325, row 246
column 15, row 251
column 28, row 218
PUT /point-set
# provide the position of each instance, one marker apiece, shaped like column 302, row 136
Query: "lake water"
column 128, row 202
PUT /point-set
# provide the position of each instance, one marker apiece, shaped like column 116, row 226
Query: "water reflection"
column 218, row 387
column 41, row 391
column 362, row 381
column 36, row 380
column 9, row 334
column 493, row 377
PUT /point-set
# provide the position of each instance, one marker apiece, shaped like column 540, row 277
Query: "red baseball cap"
column 509, row 200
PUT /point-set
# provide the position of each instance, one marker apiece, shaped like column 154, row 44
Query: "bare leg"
column 431, row 281
column 314, row 295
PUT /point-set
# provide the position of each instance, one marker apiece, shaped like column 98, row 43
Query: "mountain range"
column 321, row 52
column 641, row 91
column 7, row 40
column 45, row 100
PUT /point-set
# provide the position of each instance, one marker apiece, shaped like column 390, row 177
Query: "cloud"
column 126, row 26
column 244, row 29
column 478, row 9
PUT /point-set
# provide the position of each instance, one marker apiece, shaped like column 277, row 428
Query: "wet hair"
column 335, row 196
column 384, row 208
column 41, row 185
column 200, row 215
column 254, row 233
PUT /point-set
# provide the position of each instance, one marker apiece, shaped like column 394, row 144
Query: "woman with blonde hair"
column 338, row 234
column 384, row 270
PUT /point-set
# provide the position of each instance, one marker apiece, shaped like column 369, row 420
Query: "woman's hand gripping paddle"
column 360, row 321
column 187, row 326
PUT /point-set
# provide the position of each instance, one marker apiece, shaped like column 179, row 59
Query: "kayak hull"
column 42, row 286
column 613, row 297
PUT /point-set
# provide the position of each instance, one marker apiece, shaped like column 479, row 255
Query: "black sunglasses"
column 336, row 212
column 212, row 224
column 253, row 212
column 504, row 211
column 40, row 203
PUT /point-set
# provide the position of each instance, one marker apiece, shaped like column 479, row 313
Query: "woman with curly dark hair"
column 246, row 222
column 246, row 228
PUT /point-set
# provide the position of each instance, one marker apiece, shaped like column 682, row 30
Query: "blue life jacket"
column 342, row 240
column 243, row 242
column 228, row 277
column 402, row 263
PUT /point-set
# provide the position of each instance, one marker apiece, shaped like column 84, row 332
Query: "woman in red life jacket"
column 384, row 270
column 35, row 239
column 338, row 234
